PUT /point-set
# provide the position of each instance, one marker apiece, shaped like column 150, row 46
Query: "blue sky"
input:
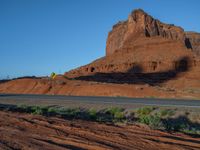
column 38, row 37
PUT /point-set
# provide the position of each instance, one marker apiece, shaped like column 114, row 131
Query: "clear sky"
column 38, row 37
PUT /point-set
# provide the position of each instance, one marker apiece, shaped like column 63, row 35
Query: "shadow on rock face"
column 135, row 75
column 135, row 69
column 182, row 65
column 188, row 43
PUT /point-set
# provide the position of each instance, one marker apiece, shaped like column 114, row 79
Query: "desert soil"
column 186, row 87
column 25, row 131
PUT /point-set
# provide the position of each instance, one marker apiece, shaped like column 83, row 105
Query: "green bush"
column 70, row 112
column 119, row 116
column 153, row 121
column 114, row 110
column 145, row 110
column 52, row 111
column 116, row 114
column 166, row 113
column 92, row 114
column 37, row 110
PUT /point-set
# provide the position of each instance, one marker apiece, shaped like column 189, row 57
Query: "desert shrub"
column 114, row 110
column 116, row 114
column 144, row 119
column 119, row 116
column 24, row 108
column 52, row 111
column 147, row 115
column 92, row 114
column 176, row 124
column 153, row 121
column 145, row 110
column 36, row 110
column 166, row 113
column 39, row 110
column 70, row 112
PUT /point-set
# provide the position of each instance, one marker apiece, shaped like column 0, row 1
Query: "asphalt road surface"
column 87, row 100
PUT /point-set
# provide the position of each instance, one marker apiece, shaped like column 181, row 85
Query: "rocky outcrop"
column 140, row 24
column 193, row 41
column 143, row 44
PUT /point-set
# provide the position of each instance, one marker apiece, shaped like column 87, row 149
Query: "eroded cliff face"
column 193, row 41
column 140, row 24
column 143, row 44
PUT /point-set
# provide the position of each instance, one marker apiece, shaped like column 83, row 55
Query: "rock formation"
column 140, row 25
column 143, row 44
column 193, row 40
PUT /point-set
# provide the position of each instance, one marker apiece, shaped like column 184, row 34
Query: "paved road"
column 80, row 100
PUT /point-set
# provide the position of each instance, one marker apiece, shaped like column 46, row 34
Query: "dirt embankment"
column 24, row 131
column 183, row 85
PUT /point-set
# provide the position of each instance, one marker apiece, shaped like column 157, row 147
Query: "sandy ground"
column 24, row 131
